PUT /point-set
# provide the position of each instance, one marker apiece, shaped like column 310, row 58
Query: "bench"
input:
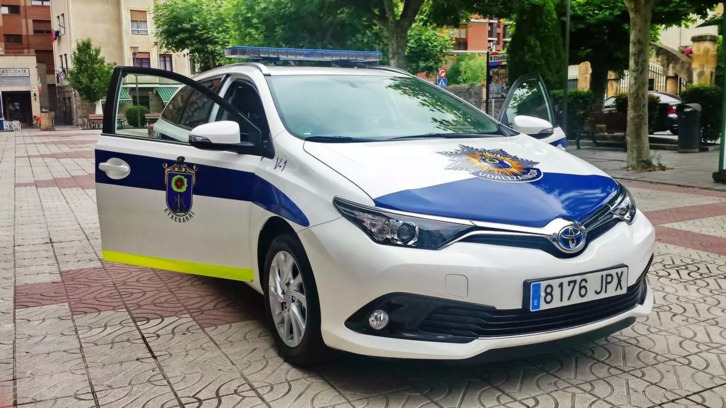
column 95, row 121
column 152, row 117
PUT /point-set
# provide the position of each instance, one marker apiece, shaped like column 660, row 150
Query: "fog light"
column 378, row 319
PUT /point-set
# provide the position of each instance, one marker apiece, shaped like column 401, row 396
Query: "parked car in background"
column 666, row 118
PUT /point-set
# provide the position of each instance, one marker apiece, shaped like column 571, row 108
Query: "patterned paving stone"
column 306, row 392
column 148, row 338
column 715, row 226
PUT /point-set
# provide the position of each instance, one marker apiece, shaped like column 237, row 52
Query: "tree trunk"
column 637, row 131
column 598, row 83
column 397, row 44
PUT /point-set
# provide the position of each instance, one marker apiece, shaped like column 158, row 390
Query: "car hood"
column 509, row 180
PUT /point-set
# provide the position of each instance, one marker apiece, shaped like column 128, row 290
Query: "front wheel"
column 291, row 302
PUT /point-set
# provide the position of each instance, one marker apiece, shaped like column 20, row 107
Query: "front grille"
column 480, row 321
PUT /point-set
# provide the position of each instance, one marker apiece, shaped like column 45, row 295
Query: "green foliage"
column 579, row 107
column 135, row 115
column 427, row 49
column 200, row 27
column 469, row 69
column 710, row 97
column 90, row 75
column 302, row 24
column 537, row 44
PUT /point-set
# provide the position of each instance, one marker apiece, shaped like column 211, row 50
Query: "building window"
column 139, row 25
column 41, row 27
column 62, row 24
column 41, row 2
column 493, row 30
column 13, row 39
column 142, row 59
column 66, row 58
column 165, row 62
column 460, row 38
column 11, row 9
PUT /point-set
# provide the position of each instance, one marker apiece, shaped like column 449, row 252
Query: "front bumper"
column 351, row 272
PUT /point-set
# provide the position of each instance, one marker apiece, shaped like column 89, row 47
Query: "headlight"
column 624, row 207
column 400, row 230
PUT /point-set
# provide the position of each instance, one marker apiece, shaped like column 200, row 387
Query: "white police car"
column 376, row 213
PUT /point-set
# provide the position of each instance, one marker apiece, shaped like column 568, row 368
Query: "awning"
column 166, row 94
column 124, row 97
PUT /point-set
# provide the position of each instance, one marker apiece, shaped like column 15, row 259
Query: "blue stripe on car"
column 561, row 142
column 148, row 173
column 533, row 204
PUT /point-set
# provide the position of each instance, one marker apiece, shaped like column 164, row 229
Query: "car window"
column 372, row 107
column 528, row 98
column 157, row 108
column 609, row 103
column 664, row 98
column 243, row 96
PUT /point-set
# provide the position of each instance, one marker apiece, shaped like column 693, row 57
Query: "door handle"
column 115, row 169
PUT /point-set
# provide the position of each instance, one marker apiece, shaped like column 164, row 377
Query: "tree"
column 427, row 48
column 537, row 44
column 469, row 69
column 332, row 24
column 395, row 18
column 200, row 27
column 89, row 74
column 302, row 24
column 641, row 18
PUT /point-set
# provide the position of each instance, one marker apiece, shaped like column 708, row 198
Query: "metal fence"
column 656, row 79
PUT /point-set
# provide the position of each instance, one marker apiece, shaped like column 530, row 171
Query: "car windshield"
column 372, row 107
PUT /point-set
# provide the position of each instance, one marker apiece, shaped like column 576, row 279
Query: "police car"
column 375, row 212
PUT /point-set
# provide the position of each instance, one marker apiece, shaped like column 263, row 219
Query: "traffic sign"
column 496, row 60
column 442, row 82
column 442, row 73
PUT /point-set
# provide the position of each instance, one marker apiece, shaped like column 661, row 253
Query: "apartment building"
column 124, row 31
column 481, row 34
column 27, row 80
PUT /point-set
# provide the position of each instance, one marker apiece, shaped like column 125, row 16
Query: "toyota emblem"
column 571, row 239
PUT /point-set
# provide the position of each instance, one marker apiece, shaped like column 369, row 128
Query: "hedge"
column 710, row 99
column 135, row 115
column 579, row 107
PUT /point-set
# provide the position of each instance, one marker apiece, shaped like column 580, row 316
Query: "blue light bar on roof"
column 302, row 54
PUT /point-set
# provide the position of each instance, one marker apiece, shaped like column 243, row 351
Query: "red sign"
column 442, row 73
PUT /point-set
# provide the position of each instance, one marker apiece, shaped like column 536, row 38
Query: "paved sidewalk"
column 686, row 169
column 79, row 332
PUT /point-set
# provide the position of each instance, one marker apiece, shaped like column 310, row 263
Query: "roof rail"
column 392, row 69
column 260, row 66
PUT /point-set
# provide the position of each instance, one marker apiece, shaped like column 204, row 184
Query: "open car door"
column 528, row 109
column 176, row 194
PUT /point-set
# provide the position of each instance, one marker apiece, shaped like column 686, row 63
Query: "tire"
column 306, row 349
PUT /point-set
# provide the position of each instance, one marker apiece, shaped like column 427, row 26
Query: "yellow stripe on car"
column 216, row 271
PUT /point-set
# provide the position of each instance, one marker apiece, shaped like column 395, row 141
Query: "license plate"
column 571, row 290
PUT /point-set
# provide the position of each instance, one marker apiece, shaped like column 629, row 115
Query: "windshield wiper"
column 445, row 136
column 336, row 139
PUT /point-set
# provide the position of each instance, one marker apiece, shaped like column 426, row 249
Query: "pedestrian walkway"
column 685, row 169
column 76, row 331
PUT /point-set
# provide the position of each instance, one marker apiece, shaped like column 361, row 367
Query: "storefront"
column 19, row 88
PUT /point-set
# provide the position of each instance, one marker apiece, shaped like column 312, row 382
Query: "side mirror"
column 535, row 127
column 223, row 135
